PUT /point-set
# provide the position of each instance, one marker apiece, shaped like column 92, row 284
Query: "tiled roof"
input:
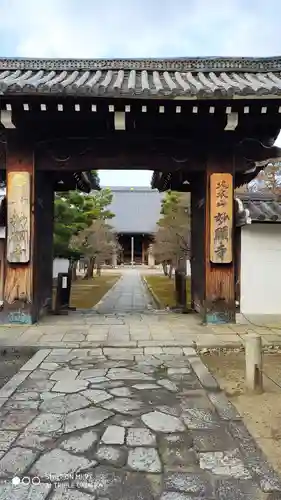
column 136, row 209
column 262, row 207
column 192, row 77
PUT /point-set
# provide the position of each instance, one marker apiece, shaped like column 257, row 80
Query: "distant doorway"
column 134, row 248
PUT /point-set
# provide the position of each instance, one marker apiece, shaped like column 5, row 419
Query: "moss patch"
column 164, row 289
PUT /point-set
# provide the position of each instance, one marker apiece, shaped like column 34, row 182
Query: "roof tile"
column 262, row 207
column 136, row 210
column 203, row 77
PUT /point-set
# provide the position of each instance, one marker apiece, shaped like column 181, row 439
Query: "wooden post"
column 2, row 270
column 132, row 251
column 213, row 258
column 180, row 284
column 253, row 358
column 219, row 304
column 29, row 256
column 197, row 261
column 18, row 290
column 43, row 243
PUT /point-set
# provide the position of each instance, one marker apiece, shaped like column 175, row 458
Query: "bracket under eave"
column 232, row 121
column 6, row 118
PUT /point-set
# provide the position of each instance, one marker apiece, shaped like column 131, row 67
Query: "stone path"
column 74, row 426
column 125, row 319
column 128, row 295
column 150, row 333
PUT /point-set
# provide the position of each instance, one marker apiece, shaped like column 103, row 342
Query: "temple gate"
column 202, row 125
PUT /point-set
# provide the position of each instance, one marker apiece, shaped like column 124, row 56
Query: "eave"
column 181, row 78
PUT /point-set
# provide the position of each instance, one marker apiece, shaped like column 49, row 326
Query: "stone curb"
column 152, row 293
column 11, row 386
column 95, row 308
column 207, row 380
column 36, row 360
column 201, row 349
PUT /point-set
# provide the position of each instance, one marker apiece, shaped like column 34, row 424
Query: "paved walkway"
column 146, row 333
column 128, row 295
column 83, row 427
column 125, row 319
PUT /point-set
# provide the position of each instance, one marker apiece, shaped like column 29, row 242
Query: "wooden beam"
column 111, row 153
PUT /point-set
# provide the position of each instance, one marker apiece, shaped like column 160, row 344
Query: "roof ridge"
column 215, row 63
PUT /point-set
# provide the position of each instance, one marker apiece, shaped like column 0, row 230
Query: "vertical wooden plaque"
column 221, row 218
column 18, row 217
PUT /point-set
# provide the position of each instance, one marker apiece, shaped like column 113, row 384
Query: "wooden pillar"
column 219, row 242
column 237, row 264
column 43, row 243
column 197, row 261
column 2, row 270
column 29, row 257
column 18, row 290
column 212, row 263
column 143, row 251
column 132, row 250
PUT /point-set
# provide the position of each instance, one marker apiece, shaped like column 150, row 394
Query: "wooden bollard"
column 253, row 358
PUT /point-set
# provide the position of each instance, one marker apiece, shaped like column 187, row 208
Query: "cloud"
column 140, row 28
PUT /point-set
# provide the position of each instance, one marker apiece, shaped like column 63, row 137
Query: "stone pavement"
column 76, row 426
column 151, row 332
column 125, row 319
column 128, row 295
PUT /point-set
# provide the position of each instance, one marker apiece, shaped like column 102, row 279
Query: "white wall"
column 60, row 266
column 260, row 270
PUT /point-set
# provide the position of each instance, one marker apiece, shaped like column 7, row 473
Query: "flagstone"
column 144, row 460
column 123, row 405
column 81, row 442
column 161, row 422
column 64, row 404
column 89, row 417
column 70, row 386
column 16, row 461
column 96, row 395
column 56, row 463
column 114, row 434
column 46, row 423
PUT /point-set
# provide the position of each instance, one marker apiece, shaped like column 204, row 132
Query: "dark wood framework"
column 183, row 119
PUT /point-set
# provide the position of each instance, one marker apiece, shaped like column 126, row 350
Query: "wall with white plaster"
column 60, row 266
column 260, row 292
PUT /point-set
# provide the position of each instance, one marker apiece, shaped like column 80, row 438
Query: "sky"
column 139, row 28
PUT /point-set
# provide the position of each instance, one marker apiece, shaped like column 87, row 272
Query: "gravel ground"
column 261, row 412
column 11, row 360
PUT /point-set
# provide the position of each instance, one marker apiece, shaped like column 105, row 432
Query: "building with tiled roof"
column 136, row 210
column 258, row 257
